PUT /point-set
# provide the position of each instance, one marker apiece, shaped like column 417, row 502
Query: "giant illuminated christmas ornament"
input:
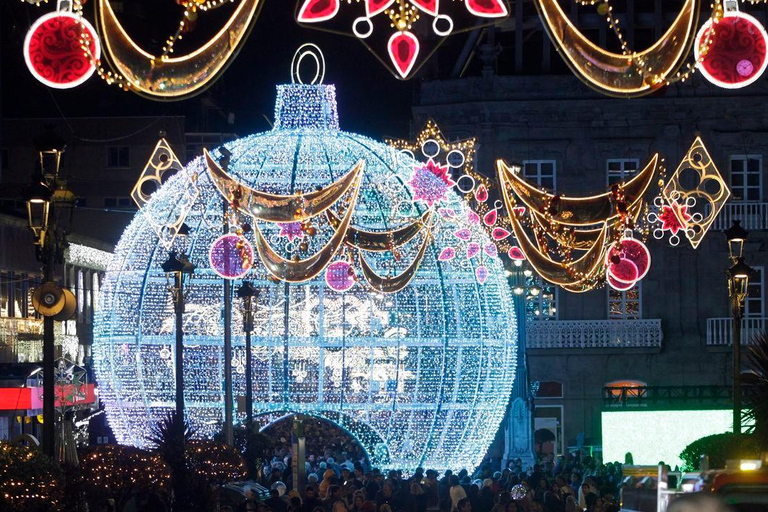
column 52, row 48
column 402, row 34
column 579, row 243
column 628, row 73
column 421, row 376
column 161, row 75
column 737, row 55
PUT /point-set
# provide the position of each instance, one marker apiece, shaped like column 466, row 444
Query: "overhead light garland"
column 421, row 377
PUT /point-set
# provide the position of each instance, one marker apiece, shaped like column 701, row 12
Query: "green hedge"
column 720, row 448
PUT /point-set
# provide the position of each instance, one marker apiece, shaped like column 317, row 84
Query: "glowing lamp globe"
column 421, row 377
column 53, row 50
column 737, row 55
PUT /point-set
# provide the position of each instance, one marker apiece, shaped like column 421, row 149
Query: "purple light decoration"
column 231, row 256
column 340, row 276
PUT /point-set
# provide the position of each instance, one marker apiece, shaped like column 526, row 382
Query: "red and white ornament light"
column 54, row 51
column 627, row 262
column 736, row 49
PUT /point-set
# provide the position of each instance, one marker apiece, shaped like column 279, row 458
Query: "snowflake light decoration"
column 672, row 217
column 430, row 182
column 392, row 29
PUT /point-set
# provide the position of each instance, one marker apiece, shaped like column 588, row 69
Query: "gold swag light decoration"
column 275, row 208
column 563, row 226
column 163, row 77
column 628, row 74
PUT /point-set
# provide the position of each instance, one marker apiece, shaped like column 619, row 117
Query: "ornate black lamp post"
column 177, row 266
column 49, row 214
column 738, row 287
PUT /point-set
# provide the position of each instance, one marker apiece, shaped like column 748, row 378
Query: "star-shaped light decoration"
column 430, row 182
column 291, row 230
column 671, row 215
column 402, row 34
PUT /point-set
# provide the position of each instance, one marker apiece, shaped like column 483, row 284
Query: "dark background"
column 371, row 100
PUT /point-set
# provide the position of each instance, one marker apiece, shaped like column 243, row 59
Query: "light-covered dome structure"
column 421, row 377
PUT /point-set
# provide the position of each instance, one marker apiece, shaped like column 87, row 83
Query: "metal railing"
column 554, row 334
column 720, row 330
column 667, row 397
column 753, row 216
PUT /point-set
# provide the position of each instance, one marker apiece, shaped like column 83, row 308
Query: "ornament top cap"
column 306, row 105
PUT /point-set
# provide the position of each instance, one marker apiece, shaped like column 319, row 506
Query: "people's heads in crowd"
column 464, row 505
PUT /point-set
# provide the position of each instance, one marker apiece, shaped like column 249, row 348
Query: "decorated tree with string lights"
column 119, row 473
column 212, row 464
column 29, row 481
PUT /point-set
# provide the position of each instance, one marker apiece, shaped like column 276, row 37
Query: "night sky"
column 371, row 100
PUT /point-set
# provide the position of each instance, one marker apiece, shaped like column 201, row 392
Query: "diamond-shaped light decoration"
column 701, row 205
column 166, row 217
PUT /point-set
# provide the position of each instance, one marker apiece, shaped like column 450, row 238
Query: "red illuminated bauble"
column 618, row 285
column 738, row 54
column 634, row 251
column 53, row 51
column 623, row 270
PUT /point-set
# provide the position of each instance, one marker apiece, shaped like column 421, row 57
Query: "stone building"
column 670, row 337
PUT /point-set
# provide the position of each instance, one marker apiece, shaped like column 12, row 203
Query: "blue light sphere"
column 421, row 377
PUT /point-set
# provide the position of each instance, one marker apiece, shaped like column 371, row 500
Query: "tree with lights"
column 29, row 481
column 254, row 446
column 115, row 473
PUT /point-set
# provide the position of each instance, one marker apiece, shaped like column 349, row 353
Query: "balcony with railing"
column 598, row 334
column 753, row 216
column 720, row 330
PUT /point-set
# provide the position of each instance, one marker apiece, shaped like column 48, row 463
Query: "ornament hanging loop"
column 731, row 5
column 312, row 51
column 64, row 5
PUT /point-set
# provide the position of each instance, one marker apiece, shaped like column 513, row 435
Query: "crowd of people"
column 339, row 479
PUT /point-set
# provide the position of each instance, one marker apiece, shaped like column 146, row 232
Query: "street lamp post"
column 738, row 286
column 178, row 265
column 247, row 292
column 49, row 233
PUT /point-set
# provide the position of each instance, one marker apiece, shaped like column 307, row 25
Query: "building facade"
column 674, row 329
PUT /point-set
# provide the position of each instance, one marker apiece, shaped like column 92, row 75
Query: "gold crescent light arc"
column 551, row 270
column 174, row 78
column 398, row 282
column 578, row 211
column 380, row 241
column 306, row 269
column 616, row 74
column 281, row 208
